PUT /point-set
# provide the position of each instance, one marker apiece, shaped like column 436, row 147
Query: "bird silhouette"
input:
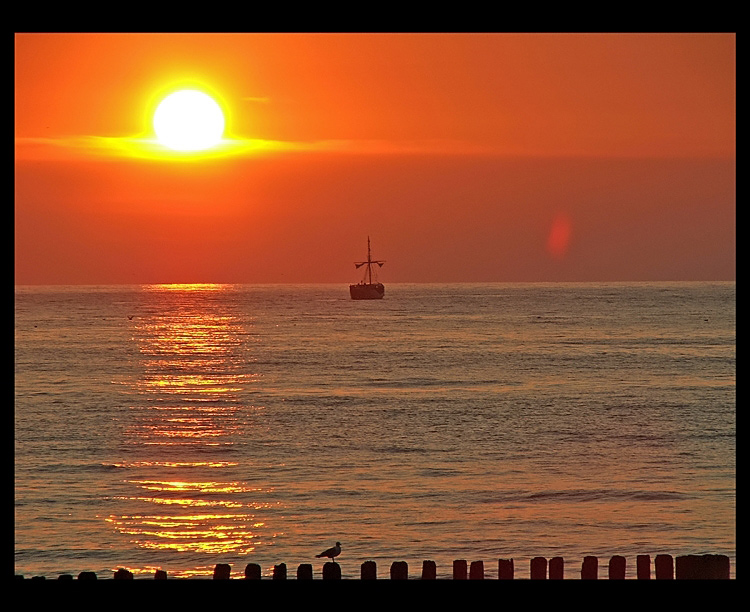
column 332, row 552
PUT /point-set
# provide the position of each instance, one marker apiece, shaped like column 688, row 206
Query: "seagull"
column 331, row 552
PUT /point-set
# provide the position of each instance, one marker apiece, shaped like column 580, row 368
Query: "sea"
column 177, row 427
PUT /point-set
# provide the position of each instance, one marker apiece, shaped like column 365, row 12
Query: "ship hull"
column 367, row 291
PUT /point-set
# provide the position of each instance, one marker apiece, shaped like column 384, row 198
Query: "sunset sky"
column 464, row 157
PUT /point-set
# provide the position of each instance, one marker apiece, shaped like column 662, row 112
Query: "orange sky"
column 472, row 157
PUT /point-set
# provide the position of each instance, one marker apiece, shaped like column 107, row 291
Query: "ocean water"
column 179, row 426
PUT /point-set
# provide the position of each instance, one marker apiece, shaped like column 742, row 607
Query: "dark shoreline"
column 665, row 567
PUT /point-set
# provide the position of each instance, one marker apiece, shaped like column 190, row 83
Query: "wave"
column 72, row 467
column 588, row 495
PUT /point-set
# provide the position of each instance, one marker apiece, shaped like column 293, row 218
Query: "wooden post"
column 702, row 567
column 505, row 569
column 556, row 568
column 459, row 569
column 686, row 567
column 305, row 571
column 590, row 568
column 369, row 571
column 538, row 569
column 252, row 571
column 222, row 571
column 429, row 570
column 617, row 566
column 643, row 567
column 123, row 574
column 399, row 570
column 476, row 570
column 331, row 571
column 279, row 571
column 664, row 567
column 720, row 567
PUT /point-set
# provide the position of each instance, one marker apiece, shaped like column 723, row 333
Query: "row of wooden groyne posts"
column 687, row 567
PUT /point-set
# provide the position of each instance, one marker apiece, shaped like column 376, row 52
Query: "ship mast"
column 369, row 262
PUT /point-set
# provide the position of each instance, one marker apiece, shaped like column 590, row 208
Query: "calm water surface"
column 177, row 427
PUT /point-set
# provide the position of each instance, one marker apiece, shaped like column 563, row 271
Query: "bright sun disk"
column 189, row 120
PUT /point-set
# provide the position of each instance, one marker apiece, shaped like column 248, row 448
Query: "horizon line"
column 331, row 283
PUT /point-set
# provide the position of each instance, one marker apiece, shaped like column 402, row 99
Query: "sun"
column 189, row 120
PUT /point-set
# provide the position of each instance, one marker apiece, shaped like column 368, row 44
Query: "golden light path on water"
column 185, row 406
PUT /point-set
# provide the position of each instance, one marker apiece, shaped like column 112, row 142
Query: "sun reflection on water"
column 207, row 533
column 187, row 405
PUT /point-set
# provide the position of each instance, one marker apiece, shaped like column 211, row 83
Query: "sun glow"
column 189, row 120
column 183, row 121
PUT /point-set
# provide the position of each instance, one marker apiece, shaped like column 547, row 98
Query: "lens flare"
column 559, row 236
